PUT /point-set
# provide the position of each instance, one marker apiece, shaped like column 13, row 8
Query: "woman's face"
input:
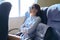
column 33, row 11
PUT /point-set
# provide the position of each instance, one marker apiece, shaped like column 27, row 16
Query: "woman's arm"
column 33, row 26
column 21, row 27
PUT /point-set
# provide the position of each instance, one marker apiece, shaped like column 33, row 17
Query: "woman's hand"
column 24, row 30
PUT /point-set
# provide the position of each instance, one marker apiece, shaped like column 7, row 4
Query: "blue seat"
column 44, row 16
column 4, row 15
column 27, row 14
column 54, row 18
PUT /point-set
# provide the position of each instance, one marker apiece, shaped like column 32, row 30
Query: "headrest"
column 53, row 12
column 44, row 8
column 5, row 8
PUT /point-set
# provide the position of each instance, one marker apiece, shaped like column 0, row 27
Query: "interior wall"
column 44, row 3
column 15, row 22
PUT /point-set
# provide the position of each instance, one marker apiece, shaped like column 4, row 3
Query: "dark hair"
column 38, row 8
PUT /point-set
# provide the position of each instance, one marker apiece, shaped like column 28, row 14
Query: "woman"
column 29, row 26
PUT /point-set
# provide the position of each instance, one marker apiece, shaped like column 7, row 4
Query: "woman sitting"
column 28, row 27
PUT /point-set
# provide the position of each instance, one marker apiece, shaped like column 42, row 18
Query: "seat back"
column 41, row 31
column 27, row 14
column 44, row 16
column 4, row 15
column 54, row 17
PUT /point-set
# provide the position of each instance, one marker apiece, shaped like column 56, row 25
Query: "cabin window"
column 24, row 6
column 20, row 7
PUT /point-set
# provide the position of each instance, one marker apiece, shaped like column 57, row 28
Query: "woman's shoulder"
column 38, row 18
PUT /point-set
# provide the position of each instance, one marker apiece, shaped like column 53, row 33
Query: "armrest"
column 13, row 37
column 13, row 29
